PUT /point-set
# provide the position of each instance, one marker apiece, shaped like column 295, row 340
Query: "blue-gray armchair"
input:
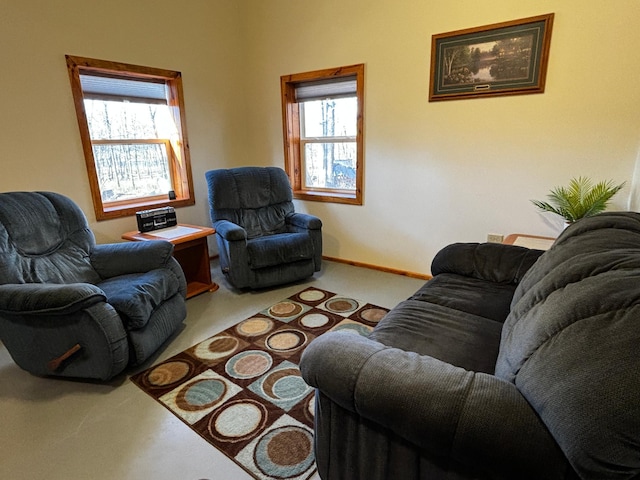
column 72, row 308
column 262, row 241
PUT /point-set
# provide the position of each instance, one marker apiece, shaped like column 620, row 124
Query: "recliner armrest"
column 230, row 231
column 445, row 410
column 494, row 262
column 113, row 259
column 47, row 298
column 304, row 220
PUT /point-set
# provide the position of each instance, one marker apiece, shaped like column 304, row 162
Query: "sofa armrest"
column 442, row 409
column 230, row 231
column 312, row 226
column 494, row 262
column 304, row 220
column 63, row 329
column 48, row 299
column 113, row 259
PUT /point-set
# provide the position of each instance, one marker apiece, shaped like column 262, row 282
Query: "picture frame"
column 508, row 58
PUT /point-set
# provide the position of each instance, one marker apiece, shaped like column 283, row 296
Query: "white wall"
column 41, row 148
column 435, row 173
column 442, row 172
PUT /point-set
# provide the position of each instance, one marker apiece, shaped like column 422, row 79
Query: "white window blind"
column 325, row 89
column 99, row 87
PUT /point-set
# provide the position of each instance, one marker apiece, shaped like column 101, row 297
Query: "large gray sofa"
column 510, row 363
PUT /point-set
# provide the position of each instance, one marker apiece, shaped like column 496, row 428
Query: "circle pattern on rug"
column 286, row 340
column 285, row 309
column 341, row 305
column 168, row 373
column 373, row 315
column 352, row 327
column 310, row 409
column 201, row 394
column 216, row 347
column 311, row 406
column 249, row 364
column 285, row 451
column 237, row 421
column 312, row 295
column 314, row 320
column 284, row 384
column 252, row 327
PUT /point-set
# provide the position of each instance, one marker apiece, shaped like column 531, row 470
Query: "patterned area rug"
column 241, row 389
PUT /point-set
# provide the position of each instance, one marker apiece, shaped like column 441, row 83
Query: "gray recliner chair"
column 72, row 308
column 262, row 241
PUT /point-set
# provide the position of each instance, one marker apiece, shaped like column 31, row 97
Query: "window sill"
column 130, row 209
column 329, row 197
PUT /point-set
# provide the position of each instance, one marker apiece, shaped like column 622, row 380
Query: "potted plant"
column 580, row 199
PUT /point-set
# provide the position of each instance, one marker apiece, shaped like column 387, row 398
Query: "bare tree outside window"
column 329, row 139
column 131, row 148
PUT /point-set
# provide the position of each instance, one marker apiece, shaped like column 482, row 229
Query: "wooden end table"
column 190, row 250
column 529, row 241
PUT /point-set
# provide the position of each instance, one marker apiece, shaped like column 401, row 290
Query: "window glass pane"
column 127, row 171
column 330, row 118
column 130, row 170
column 111, row 120
column 330, row 165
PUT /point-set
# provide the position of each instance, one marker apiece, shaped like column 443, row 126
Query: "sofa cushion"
column 461, row 339
column 135, row 296
column 493, row 262
column 570, row 344
column 263, row 221
column 470, row 295
column 278, row 249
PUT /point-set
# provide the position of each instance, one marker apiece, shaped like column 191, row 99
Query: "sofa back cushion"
column 492, row 262
column 44, row 238
column 256, row 198
column 571, row 341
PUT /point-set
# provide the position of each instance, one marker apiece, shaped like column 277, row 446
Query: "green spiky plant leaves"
column 580, row 199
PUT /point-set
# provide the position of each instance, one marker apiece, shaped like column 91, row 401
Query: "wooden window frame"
column 292, row 135
column 179, row 158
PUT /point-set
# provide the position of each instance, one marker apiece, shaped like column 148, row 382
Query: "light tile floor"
column 61, row 429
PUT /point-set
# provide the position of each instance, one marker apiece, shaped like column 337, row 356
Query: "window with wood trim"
column 323, row 133
column 134, row 137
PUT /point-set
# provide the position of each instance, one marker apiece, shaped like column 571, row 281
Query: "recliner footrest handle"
column 56, row 363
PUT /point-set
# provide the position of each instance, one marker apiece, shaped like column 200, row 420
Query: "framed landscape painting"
column 508, row 58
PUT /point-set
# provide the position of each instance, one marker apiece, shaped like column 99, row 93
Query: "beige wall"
column 435, row 173
column 38, row 126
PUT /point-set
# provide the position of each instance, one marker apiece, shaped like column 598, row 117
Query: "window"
column 133, row 131
column 323, row 125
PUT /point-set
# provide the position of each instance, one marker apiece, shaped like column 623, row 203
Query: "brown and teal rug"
column 241, row 389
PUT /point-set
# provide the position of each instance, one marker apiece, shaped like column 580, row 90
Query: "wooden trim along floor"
column 422, row 276
column 406, row 273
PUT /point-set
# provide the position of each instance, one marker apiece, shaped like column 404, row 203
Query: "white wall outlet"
column 495, row 238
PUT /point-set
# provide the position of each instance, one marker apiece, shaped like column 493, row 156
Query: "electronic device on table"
column 156, row 219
